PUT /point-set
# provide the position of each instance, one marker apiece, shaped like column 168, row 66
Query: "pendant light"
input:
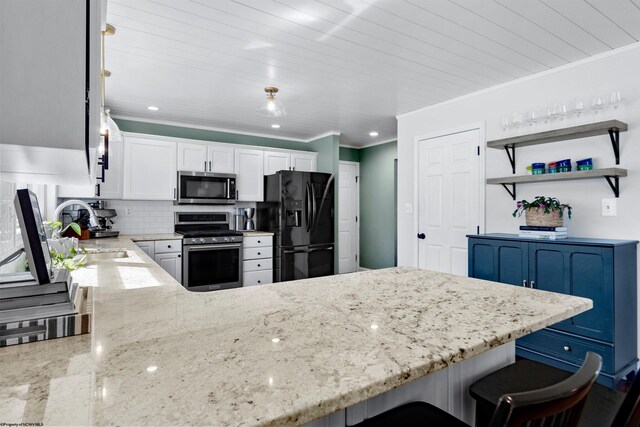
column 272, row 107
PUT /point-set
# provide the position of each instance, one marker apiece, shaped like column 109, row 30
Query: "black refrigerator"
column 299, row 210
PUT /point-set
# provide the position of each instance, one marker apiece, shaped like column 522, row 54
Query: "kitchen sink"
column 102, row 255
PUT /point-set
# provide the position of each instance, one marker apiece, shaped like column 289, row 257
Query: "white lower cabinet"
column 171, row 263
column 148, row 247
column 166, row 253
column 257, row 260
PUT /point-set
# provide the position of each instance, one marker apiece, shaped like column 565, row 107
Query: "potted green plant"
column 543, row 211
column 64, row 251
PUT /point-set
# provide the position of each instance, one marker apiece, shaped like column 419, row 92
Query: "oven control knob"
column 226, row 239
column 213, row 240
column 202, row 240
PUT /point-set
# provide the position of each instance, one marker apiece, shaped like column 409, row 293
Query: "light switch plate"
column 408, row 208
column 609, row 207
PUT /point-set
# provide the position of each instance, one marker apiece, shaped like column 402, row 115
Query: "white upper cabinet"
column 305, row 162
column 149, row 169
column 220, row 158
column 205, row 157
column 49, row 90
column 192, row 156
column 275, row 161
column 249, row 167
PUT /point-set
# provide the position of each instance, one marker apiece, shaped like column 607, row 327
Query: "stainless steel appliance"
column 205, row 188
column 299, row 210
column 105, row 221
column 211, row 252
column 249, row 224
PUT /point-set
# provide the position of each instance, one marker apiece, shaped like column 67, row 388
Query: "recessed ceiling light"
column 275, row 126
column 374, row 133
column 152, row 108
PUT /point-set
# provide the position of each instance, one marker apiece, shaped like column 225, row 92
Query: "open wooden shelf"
column 573, row 132
column 612, row 176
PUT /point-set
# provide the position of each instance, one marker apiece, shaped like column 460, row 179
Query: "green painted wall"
column 208, row 135
column 328, row 149
column 349, row 154
column 378, row 205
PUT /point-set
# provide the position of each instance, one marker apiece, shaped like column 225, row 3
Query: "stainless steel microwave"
column 206, row 188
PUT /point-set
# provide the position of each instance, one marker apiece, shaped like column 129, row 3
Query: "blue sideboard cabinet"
column 604, row 271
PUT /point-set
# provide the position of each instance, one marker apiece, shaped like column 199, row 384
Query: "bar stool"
column 560, row 404
column 601, row 406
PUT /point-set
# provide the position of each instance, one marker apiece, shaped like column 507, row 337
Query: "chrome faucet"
column 93, row 221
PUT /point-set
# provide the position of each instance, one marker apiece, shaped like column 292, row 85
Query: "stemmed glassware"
column 597, row 103
column 578, row 107
column 614, row 99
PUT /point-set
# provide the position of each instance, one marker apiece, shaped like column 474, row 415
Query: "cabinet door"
column 584, row 271
column 220, row 158
column 149, row 169
column 192, row 157
column 498, row 260
column 275, row 161
column 148, row 248
column 304, row 162
column 250, row 176
column 171, row 263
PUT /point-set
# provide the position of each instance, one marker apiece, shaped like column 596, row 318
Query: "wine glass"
column 516, row 120
column 614, row 99
column 578, row 107
column 552, row 112
column 562, row 111
column 597, row 103
column 532, row 117
column 505, row 123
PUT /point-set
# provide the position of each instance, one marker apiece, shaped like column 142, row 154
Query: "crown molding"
column 372, row 144
column 200, row 127
column 534, row 76
column 322, row 135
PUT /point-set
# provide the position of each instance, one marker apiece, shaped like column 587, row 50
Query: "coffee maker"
column 105, row 220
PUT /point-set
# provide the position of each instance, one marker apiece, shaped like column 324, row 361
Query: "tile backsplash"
column 154, row 217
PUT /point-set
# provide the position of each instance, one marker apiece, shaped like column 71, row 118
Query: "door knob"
column 421, row 235
column 566, row 348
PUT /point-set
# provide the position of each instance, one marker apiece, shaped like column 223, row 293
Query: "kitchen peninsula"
column 282, row 354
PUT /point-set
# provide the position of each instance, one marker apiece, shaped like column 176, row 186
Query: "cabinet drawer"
column 262, row 277
column 257, row 241
column 255, row 253
column 257, row 264
column 567, row 348
column 164, row 246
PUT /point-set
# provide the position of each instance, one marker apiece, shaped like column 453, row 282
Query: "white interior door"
column 449, row 204
column 348, row 211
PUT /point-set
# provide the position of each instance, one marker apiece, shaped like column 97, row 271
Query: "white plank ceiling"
column 348, row 66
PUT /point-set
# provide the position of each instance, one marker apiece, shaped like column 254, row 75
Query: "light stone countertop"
column 279, row 354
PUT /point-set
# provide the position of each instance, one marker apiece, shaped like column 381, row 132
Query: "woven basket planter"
column 537, row 217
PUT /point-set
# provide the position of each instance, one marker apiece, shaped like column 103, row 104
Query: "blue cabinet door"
column 584, row 271
column 498, row 261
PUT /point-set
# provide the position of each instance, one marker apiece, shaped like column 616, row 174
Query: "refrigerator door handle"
column 296, row 252
column 307, row 207
column 313, row 204
column 328, row 248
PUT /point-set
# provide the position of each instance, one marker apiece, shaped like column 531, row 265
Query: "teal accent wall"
column 208, row 135
column 378, row 206
column 349, row 154
column 328, row 149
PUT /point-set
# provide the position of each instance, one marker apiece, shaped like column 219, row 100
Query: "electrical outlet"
column 609, row 207
column 408, row 208
column 128, row 211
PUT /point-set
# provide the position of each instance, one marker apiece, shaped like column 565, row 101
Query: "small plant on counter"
column 54, row 229
column 64, row 251
column 71, row 261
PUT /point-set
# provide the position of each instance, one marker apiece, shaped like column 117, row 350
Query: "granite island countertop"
column 279, row 354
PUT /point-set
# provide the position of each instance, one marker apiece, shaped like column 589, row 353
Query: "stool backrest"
column 558, row 405
column 629, row 413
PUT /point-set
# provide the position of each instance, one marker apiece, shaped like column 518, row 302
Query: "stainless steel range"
column 211, row 252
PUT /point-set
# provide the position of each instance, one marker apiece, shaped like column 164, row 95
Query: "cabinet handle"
column 168, row 246
column 258, row 241
column 209, row 165
column 258, row 253
column 533, row 285
column 524, row 283
column 97, row 192
column 174, row 193
column 258, row 281
column 179, row 256
column 205, row 165
column 566, row 348
column 258, row 265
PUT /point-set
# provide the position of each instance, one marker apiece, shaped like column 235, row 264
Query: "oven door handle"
column 193, row 248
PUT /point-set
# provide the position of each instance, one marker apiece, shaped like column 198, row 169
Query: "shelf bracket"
column 614, row 134
column 512, row 156
column 615, row 184
column 512, row 190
